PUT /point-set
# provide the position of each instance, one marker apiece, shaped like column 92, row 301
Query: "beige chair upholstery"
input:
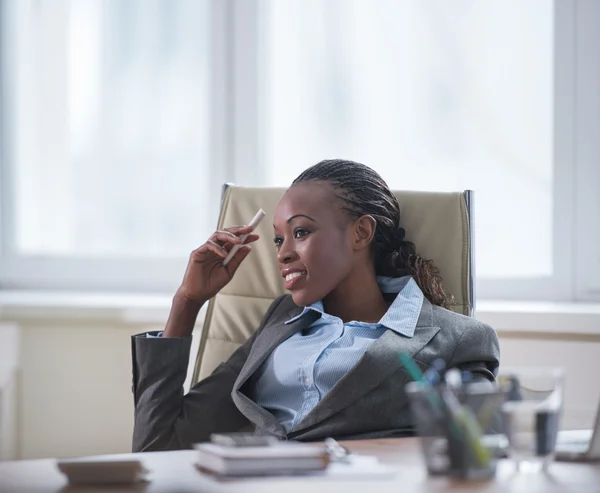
column 437, row 222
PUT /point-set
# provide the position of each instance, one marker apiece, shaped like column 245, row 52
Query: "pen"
column 468, row 425
column 417, row 375
column 463, row 425
column 255, row 221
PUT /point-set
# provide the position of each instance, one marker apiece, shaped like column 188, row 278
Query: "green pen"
column 461, row 418
column 417, row 375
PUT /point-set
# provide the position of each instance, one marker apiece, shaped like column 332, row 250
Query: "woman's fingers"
column 251, row 238
column 228, row 245
column 222, row 241
column 238, row 258
column 239, row 230
column 223, row 236
column 213, row 247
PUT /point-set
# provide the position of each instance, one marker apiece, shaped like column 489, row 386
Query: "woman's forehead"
column 309, row 198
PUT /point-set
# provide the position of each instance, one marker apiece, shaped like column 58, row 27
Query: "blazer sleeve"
column 478, row 351
column 165, row 418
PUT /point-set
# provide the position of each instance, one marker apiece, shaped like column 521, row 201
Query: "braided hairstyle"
column 364, row 192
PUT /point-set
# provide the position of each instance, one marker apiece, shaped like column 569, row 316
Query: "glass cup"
column 440, row 419
column 430, row 426
column 531, row 414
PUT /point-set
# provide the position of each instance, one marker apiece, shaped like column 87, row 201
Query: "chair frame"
column 469, row 197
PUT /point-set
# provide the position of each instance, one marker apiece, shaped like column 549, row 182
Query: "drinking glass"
column 531, row 414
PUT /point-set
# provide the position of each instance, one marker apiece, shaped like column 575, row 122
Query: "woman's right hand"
column 205, row 274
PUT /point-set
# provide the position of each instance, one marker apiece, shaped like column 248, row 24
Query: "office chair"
column 438, row 223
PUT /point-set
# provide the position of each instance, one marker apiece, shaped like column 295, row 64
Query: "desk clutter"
column 270, row 458
column 175, row 471
column 465, row 426
column 238, row 455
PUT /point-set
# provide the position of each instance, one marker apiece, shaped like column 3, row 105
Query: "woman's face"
column 313, row 237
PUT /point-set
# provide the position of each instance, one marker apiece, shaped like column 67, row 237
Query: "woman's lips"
column 292, row 280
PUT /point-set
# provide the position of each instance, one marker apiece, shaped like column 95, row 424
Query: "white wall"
column 9, row 353
column 75, row 389
column 74, row 381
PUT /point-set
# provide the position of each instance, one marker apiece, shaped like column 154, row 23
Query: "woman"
column 324, row 361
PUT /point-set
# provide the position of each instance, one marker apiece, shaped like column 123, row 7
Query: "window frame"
column 238, row 151
column 586, row 137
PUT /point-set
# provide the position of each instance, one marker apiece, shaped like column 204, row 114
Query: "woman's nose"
column 286, row 252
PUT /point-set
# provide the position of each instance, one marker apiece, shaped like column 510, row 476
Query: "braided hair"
column 364, row 192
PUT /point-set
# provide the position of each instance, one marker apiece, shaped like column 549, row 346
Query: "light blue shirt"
column 304, row 368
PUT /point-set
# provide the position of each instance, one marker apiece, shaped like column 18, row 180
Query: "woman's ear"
column 364, row 231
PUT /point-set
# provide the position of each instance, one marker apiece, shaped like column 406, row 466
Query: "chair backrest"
column 437, row 222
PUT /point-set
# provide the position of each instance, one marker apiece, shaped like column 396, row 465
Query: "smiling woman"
column 359, row 192
column 324, row 361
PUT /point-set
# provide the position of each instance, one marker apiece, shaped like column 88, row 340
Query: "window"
column 107, row 121
column 110, row 126
column 491, row 96
column 434, row 96
column 147, row 107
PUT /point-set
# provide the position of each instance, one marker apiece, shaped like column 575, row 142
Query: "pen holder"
column 457, row 428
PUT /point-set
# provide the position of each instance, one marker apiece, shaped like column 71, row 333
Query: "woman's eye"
column 298, row 233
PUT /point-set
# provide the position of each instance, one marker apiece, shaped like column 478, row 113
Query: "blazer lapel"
column 379, row 362
column 271, row 336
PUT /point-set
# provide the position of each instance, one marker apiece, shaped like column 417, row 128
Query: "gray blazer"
column 368, row 402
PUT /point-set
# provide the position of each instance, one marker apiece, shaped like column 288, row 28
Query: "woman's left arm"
column 477, row 351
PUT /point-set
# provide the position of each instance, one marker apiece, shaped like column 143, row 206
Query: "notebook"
column 281, row 459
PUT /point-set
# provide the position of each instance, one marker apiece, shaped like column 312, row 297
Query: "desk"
column 174, row 472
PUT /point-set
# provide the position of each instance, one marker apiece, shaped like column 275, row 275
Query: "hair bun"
column 398, row 238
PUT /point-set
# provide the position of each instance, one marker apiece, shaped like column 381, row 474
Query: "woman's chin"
column 298, row 298
column 302, row 298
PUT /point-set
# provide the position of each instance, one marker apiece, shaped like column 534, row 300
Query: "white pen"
column 255, row 221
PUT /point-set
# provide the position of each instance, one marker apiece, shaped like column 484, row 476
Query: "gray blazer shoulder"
column 474, row 340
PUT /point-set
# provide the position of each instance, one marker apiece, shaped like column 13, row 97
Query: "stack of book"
column 281, row 459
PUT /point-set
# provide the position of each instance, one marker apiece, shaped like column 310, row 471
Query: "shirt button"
column 307, row 381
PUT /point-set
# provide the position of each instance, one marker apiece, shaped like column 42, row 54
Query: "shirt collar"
column 403, row 313
column 316, row 307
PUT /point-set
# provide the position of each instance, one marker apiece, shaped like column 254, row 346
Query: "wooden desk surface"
column 174, row 472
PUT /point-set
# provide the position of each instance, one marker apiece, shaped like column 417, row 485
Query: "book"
column 280, row 459
column 100, row 470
